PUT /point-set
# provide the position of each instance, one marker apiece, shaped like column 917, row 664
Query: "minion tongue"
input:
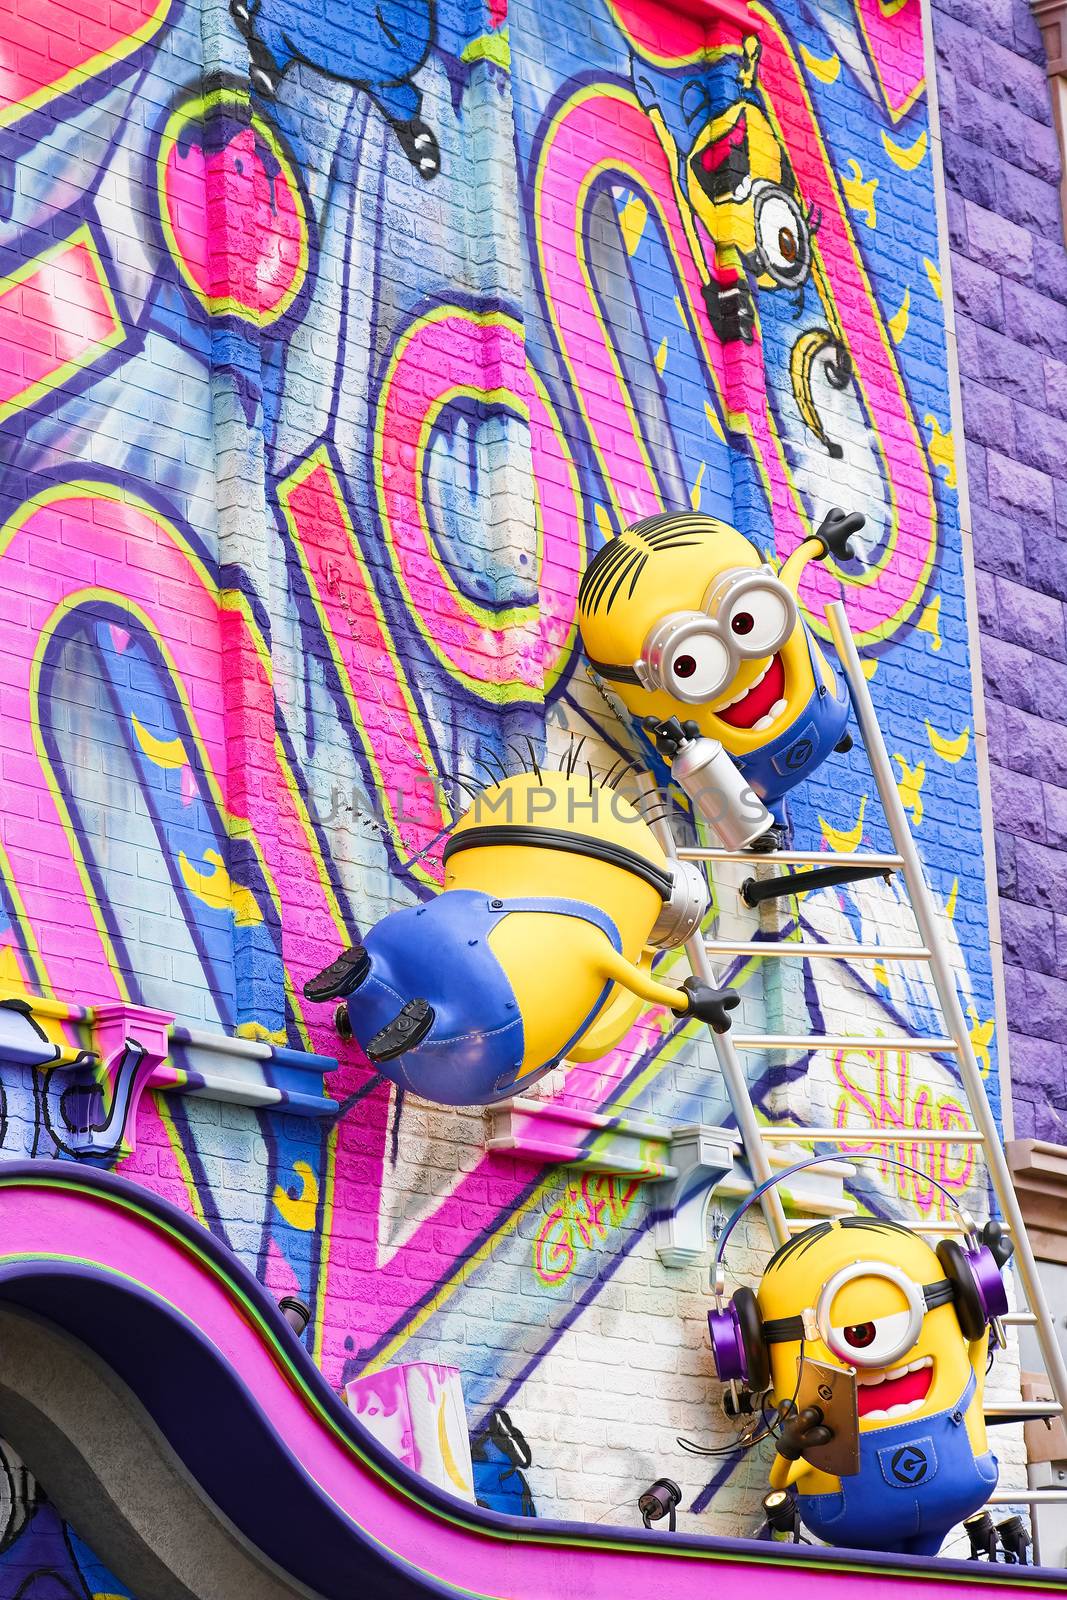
column 764, row 693
column 908, row 1389
column 715, row 154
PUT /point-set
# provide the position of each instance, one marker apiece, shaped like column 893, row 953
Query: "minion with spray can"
column 912, row 1325
column 681, row 617
column 556, row 895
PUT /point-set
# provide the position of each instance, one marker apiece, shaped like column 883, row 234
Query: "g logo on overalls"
column 909, row 1465
column 799, row 755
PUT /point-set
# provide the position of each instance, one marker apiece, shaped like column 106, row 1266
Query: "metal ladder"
column 756, row 1139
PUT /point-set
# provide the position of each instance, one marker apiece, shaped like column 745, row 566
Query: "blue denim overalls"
column 440, row 952
column 777, row 767
column 916, row 1481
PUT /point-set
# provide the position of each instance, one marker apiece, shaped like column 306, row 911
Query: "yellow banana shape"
column 807, row 350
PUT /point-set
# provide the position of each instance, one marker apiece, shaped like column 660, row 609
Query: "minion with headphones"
column 557, row 894
column 914, row 1325
column 682, row 617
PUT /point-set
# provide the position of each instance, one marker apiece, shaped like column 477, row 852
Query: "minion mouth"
column 896, row 1393
column 761, row 703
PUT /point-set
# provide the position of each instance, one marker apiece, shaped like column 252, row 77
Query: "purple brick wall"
column 1009, row 266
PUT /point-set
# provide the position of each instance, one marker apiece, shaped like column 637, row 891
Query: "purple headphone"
column 973, row 1284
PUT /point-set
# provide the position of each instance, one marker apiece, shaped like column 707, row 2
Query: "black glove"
column 671, row 735
column 804, row 1430
column 836, row 530
column 710, row 1004
column 997, row 1242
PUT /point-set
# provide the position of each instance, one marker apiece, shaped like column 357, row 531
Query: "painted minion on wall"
column 556, row 893
column 682, row 619
column 734, row 172
column 914, row 1324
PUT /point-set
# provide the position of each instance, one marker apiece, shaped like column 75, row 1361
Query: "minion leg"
column 407, row 1029
column 341, row 977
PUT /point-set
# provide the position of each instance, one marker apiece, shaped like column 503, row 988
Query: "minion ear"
column 751, row 50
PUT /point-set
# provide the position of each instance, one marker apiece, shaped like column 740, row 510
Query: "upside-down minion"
column 555, row 888
column 732, row 169
column 914, row 1325
column 682, row 618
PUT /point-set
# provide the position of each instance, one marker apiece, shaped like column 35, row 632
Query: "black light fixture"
column 659, row 1501
column 295, row 1312
column 780, row 1510
column 983, row 1536
column 1015, row 1540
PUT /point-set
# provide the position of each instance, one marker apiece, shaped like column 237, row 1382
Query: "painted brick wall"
column 296, row 542
column 1009, row 267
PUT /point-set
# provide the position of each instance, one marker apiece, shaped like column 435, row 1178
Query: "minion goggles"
column 682, row 888
column 973, row 1284
column 694, row 655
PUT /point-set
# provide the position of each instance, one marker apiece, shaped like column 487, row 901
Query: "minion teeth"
column 906, row 1389
column 744, row 694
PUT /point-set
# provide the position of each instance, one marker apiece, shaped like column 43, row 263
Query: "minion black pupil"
column 860, row 1335
column 684, row 667
column 742, row 623
column 787, row 244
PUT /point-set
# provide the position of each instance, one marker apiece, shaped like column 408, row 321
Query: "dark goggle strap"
column 605, row 669
column 576, row 844
column 787, row 1330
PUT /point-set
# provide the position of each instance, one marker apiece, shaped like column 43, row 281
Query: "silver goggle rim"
column 870, row 1269
column 671, row 633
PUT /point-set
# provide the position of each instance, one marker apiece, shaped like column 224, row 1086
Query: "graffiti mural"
column 334, row 348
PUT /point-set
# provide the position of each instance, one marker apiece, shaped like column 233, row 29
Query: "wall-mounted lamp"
column 659, row 1501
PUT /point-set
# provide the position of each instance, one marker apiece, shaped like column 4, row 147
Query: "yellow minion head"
column 566, row 834
column 681, row 617
column 876, row 1295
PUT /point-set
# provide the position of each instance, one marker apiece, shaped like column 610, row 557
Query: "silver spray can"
column 720, row 793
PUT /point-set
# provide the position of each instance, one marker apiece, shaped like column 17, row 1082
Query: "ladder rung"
column 1027, row 1497
column 807, row 947
column 792, row 858
column 1018, row 1319
column 827, row 1041
column 870, row 1136
column 950, row 1228
column 1021, row 1410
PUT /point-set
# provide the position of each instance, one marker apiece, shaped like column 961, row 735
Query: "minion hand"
column 836, row 530
column 803, row 1430
column 671, row 735
column 997, row 1243
column 710, row 1004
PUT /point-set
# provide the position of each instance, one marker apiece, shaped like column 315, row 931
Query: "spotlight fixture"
column 295, row 1312
column 1014, row 1539
column 780, row 1510
column 659, row 1501
column 983, row 1536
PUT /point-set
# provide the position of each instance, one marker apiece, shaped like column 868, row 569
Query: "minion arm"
column 694, row 999
column 832, row 538
column 783, row 1473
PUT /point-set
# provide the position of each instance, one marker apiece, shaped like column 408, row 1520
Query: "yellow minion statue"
column 871, row 1301
column 556, row 895
column 682, row 617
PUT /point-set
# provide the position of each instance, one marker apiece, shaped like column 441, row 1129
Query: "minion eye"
column 699, row 666
column 762, row 621
column 783, row 237
column 874, row 1343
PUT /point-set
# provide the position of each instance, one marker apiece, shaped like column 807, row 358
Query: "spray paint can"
column 720, row 793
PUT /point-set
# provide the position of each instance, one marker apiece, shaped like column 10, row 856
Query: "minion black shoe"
column 419, row 143
column 341, row 977
column 406, row 1030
